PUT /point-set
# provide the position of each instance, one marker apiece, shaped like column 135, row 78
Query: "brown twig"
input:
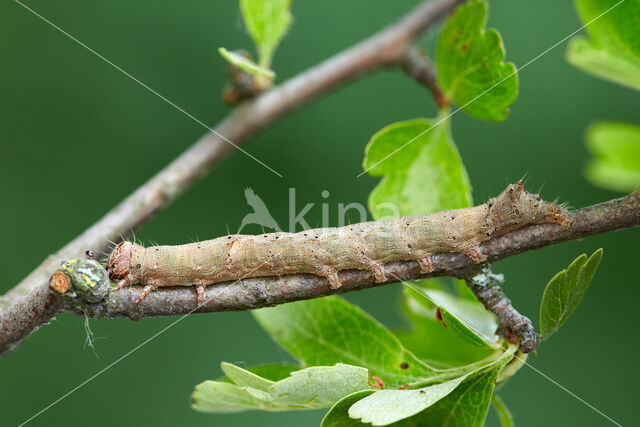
column 29, row 305
column 418, row 67
column 254, row 293
column 511, row 324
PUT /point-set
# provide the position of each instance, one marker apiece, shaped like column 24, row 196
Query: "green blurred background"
column 77, row 136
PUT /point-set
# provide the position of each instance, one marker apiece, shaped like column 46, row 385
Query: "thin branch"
column 511, row 324
column 29, row 305
column 420, row 68
column 254, row 293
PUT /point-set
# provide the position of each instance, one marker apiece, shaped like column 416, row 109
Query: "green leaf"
column 564, row 292
column 471, row 67
column 504, row 415
column 421, row 169
column 314, row 387
column 320, row 386
column 267, row 22
column 245, row 378
column 330, row 330
column 616, row 151
column 388, row 406
column 464, row 291
column 613, row 50
column 466, row 406
column 467, row 319
column 429, row 340
column 338, row 415
column 273, row 371
column 246, row 64
column 223, row 397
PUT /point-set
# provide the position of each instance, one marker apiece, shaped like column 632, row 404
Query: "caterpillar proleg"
column 326, row 251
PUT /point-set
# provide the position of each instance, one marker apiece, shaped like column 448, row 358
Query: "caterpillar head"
column 515, row 207
column 119, row 262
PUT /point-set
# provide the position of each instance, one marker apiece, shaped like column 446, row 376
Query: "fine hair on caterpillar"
column 326, row 251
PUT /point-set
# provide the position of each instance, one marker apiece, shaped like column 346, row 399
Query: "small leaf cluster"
column 611, row 52
column 267, row 22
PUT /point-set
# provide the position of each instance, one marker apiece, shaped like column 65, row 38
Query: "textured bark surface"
column 511, row 324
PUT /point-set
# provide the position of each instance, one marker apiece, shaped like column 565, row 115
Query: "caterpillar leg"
column 200, row 290
column 146, row 291
column 473, row 252
column 378, row 271
column 332, row 276
column 426, row 264
column 127, row 281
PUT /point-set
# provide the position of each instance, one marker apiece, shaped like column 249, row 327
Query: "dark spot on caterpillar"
column 453, row 237
column 228, row 237
column 409, row 245
column 404, row 365
column 157, row 249
column 316, row 237
column 277, row 237
column 89, row 253
column 422, row 392
column 138, row 266
column 490, row 204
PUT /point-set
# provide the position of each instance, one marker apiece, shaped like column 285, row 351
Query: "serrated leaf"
column 267, row 22
column 338, row 415
column 613, row 50
column 320, row 386
column 223, row 397
column 421, row 169
column 330, row 330
column 272, row 371
column 504, row 415
column 245, row 378
column 314, row 387
column 246, row 64
column 565, row 291
column 471, row 67
column 616, row 151
column 388, row 406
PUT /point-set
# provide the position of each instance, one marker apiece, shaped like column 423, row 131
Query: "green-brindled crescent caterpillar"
column 326, row 251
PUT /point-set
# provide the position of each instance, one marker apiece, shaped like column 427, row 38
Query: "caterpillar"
column 326, row 251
